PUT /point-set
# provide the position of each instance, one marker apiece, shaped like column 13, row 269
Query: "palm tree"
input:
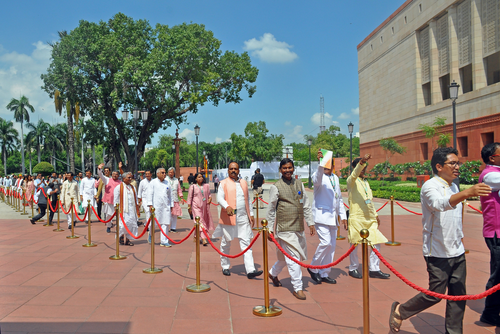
column 21, row 110
column 36, row 135
column 54, row 140
column 72, row 112
column 8, row 140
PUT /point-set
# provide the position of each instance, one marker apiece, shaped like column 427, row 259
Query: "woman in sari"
column 198, row 202
column 30, row 189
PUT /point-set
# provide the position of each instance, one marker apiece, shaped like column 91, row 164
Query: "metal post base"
column 152, row 270
column 72, row 237
column 198, row 288
column 24, row 214
column 395, row 243
column 272, row 311
column 48, row 224
column 58, row 230
column 89, row 245
column 340, row 237
column 117, row 257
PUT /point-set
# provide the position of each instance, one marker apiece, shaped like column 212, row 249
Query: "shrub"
column 43, row 167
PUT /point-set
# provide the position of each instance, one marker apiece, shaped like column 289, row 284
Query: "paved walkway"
column 50, row 284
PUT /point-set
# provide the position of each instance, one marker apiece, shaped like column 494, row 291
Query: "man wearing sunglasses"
column 491, row 228
column 442, row 246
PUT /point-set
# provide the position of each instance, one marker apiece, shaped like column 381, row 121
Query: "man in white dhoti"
column 236, row 215
column 87, row 189
column 110, row 183
column 176, row 193
column 159, row 196
column 141, row 194
column 327, row 205
column 69, row 191
column 124, row 195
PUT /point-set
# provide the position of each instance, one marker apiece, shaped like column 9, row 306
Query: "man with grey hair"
column 176, row 193
column 141, row 194
column 125, row 196
column 159, row 196
column 110, row 183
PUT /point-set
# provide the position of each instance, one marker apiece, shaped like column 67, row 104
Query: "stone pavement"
column 50, row 284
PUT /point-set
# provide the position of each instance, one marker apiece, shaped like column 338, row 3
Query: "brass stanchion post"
column 464, row 203
column 89, row 241
column 198, row 287
column 48, row 210
column 24, row 203
column 58, row 229
column 266, row 310
column 72, row 236
column 152, row 270
column 366, row 282
column 18, row 206
column 392, row 242
column 339, row 237
column 117, row 256
column 32, row 206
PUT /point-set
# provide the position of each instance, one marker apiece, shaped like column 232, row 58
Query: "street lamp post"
column 173, row 154
column 350, row 126
column 309, row 142
column 196, row 133
column 453, row 96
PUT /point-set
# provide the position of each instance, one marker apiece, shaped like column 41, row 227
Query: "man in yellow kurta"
column 362, row 215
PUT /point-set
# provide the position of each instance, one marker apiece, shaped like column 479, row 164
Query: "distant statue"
column 89, row 164
column 108, row 162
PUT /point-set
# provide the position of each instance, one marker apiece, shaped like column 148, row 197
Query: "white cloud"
column 344, row 115
column 357, row 134
column 187, row 134
column 20, row 75
column 218, row 140
column 295, row 135
column 288, row 123
column 269, row 50
column 355, row 111
column 316, row 119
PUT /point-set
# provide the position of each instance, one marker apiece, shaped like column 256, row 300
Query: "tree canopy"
column 125, row 63
column 256, row 144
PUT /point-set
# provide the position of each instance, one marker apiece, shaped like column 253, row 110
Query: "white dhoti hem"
column 293, row 268
column 131, row 222
column 107, row 211
column 326, row 249
column 374, row 264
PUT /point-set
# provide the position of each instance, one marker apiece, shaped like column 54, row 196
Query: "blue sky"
column 302, row 50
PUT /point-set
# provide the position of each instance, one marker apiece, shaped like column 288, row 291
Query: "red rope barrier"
column 432, row 293
column 172, row 241
column 349, row 251
column 62, row 208
column 415, row 213
column 214, row 204
column 99, row 218
column 51, row 208
column 346, row 206
column 130, row 233
column 382, row 206
column 470, row 206
column 226, row 255
column 263, row 200
column 76, row 214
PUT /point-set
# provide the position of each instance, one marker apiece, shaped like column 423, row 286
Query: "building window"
column 425, row 59
column 442, row 45
column 406, row 21
column 466, row 78
column 420, row 8
column 492, row 67
column 371, row 47
column 487, row 138
column 463, row 145
column 426, row 90
column 381, row 39
column 444, row 82
column 464, row 33
column 490, row 12
column 424, row 151
column 392, row 29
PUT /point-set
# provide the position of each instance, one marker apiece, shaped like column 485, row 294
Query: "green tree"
column 54, row 141
column 256, row 144
column 433, row 130
column 124, row 63
column 391, row 147
column 8, row 140
column 43, row 167
column 37, row 135
column 21, row 109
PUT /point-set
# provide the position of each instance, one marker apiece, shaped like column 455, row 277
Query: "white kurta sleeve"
column 116, row 195
column 149, row 193
column 250, row 205
column 221, row 198
column 103, row 177
column 308, row 216
column 341, row 211
column 171, row 197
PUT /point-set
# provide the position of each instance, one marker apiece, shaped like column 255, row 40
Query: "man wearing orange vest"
column 236, row 215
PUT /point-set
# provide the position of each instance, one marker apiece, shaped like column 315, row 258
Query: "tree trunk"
column 54, row 159
column 5, row 161
column 71, row 140
column 39, row 153
column 30, row 163
column 67, row 161
column 83, row 156
column 93, row 160
column 22, row 148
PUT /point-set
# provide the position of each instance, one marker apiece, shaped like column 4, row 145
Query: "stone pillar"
column 478, row 73
column 453, row 46
column 177, row 142
column 434, row 63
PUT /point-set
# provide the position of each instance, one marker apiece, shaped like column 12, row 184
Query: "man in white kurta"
column 327, row 205
column 69, row 191
column 110, row 183
column 142, row 192
column 87, row 189
column 159, row 196
column 240, row 213
column 125, row 196
column 176, row 193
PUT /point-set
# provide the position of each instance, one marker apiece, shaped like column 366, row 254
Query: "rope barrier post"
column 32, row 205
column 58, row 229
column 72, row 236
column 18, row 205
column 392, row 242
column 339, row 237
column 24, row 203
column 152, row 270
column 266, row 310
column 464, row 203
column 198, row 287
column 117, row 256
column 366, row 283
column 48, row 209
column 89, row 241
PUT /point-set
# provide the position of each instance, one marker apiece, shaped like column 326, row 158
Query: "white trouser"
column 225, row 246
column 69, row 216
column 163, row 239
column 293, row 268
column 147, row 212
column 106, row 210
column 173, row 221
column 374, row 264
column 326, row 249
column 131, row 224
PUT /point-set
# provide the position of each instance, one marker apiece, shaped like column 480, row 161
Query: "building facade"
column 406, row 65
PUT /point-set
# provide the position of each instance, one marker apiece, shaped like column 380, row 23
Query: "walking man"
column 442, row 244
column 236, row 219
column 327, row 205
column 257, row 182
column 109, row 184
column 69, row 191
column 159, row 196
column 124, row 195
column 142, row 194
column 87, row 189
column 42, row 203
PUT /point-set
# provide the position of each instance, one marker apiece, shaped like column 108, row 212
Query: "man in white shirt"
column 327, row 204
column 87, row 189
column 235, row 218
column 124, row 195
column 442, row 246
column 159, row 196
column 141, row 195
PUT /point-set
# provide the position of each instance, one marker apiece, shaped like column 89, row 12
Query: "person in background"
column 69, row 191
column 176, row 194
column 257, row 182
column 159, row 196
column 198, row 202
column 42, row 203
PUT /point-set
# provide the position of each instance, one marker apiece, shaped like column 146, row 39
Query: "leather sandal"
column 129, row 243
column 275, row 280
column 393, row 324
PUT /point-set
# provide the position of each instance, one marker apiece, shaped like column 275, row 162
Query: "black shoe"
column 173, row 230
column 108, row 229
column 315, row 276
column 328, row 280
column 355, row 273
column 254, row 273
column 490, row 320
column 379, row 274
column 32, row 221
column 226, row 272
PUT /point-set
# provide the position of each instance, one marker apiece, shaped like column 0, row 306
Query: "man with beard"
column 109, row 184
